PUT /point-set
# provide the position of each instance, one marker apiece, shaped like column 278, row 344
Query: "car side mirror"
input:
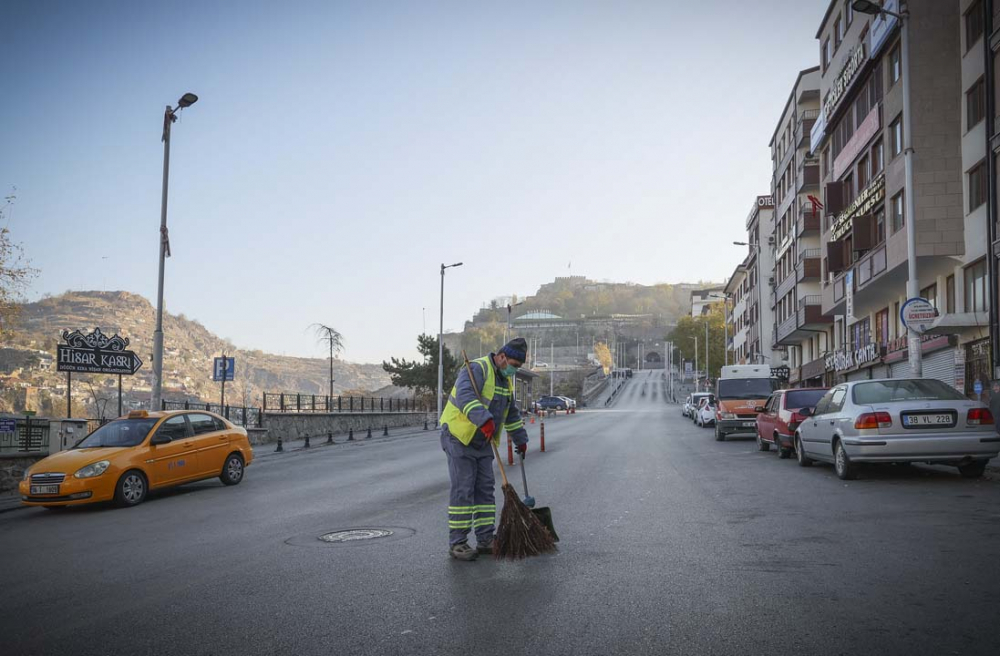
column 807, row 412
column 159, row 440
column 759, row 408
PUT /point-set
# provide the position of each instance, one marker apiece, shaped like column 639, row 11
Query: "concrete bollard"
column 385, row 430
column 425, row 424
column 350, row 434
column 369, row 435
column 280, row 447
column 306, row 445
column 329, row 438
column 542, row 438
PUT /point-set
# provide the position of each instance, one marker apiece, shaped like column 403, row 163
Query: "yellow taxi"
column 124, row 459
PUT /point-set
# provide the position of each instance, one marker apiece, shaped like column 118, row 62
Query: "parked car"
column 124, row 459
column 779, row 417
column 692, row 403
column 571, row 403
column 706, row 412
column 897, row 420
column 551, row 403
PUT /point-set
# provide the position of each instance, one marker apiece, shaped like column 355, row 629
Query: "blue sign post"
column 977, row 387
column 223, row 369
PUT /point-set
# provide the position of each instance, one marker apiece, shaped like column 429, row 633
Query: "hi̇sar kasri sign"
column 96, row 353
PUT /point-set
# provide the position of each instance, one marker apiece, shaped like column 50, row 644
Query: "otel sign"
column 918, row 315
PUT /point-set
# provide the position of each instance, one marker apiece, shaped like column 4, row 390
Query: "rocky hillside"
column 187, row 358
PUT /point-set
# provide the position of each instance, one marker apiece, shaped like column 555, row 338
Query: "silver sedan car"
column 897, row 420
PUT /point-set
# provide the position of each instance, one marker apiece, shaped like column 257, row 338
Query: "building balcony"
column 807, row 119
column 808, row 268
column 800, row 325
column 808, row 222
column 784, row 286
column 807, row 177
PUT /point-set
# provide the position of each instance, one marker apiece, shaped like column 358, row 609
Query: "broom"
column 519, row 533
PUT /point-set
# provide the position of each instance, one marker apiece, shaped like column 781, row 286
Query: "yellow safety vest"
column 457, row 418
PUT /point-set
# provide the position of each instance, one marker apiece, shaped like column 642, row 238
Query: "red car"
column 778, row 419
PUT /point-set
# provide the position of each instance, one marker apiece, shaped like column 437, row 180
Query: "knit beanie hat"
column 516, row 349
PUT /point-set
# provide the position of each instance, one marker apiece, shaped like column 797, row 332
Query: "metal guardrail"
column 239, row 415
column 285, row 402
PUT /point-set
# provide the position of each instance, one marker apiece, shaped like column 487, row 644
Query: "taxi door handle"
column 223, row 438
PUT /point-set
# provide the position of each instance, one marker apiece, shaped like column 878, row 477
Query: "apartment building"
column 859, row 140
column 759, row 265
column 799, row 324
column 738, row 324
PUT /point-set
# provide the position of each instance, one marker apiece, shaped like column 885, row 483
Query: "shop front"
column 939, row 361
column 812, row 374
column 850, row 364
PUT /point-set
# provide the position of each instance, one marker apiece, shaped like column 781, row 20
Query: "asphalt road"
column 672, row 543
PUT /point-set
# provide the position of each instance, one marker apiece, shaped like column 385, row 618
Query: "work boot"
column 462, row 551
column 485, row 548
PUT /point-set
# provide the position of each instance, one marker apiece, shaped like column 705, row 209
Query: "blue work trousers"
column 471, row 505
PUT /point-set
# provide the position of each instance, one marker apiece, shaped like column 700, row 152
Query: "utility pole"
column 440, row 390
column 552, row 365
column 697, row 387
column 706, row 354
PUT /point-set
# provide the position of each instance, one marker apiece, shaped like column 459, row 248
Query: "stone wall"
column 12, row 467
column 296, row 426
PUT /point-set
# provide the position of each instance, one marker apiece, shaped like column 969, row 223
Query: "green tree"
column 603, row 355
column 689, row 327
column 14, row 273
column 421, row 377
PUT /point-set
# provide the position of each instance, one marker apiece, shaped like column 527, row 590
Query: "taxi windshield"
column 121, row 432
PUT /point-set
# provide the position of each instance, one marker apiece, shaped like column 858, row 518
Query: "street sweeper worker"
column 468, row 422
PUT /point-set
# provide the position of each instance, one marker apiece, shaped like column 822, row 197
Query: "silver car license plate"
column 45, row 489
column 928, row 420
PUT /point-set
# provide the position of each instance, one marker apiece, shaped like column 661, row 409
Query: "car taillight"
column 873, row 420
column 979, row 417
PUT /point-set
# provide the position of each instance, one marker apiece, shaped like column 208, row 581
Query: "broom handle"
column 472, row 379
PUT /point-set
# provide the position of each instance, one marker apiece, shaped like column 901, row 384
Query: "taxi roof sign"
column 138, row 414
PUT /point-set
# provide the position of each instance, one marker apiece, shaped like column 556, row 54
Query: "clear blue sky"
column 342, row 150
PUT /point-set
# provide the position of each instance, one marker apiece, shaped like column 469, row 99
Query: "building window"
column 973, row 24
column 882, row 327
column 897, row 322
column 930, row 293
column 849, row 192
column 896, row 136
column 838, row 33
column 949, row 290
column 975, row 104
column 863, row 172
column 848, row 13
column 878, row 158
column 898, row 218
column 977, row 186
column 895, row 65
column 825, row 55
column 976, row 298
column 879, row 225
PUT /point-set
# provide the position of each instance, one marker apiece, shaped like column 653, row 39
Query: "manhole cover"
column 356, row 534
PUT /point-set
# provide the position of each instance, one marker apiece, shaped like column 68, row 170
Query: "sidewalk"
column 10, row 501
column 269, row 450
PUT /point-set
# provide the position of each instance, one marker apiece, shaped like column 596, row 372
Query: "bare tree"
column 14, row 271
column 333, row 339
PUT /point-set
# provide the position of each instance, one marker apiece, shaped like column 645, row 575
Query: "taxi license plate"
column 928, row 420
column 45, row 489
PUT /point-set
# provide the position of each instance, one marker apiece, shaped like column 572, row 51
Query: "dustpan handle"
column 524, row 477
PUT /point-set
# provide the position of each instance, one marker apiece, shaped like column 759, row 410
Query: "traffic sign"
column 219, row 368
column 977, row 387
column 918, row 314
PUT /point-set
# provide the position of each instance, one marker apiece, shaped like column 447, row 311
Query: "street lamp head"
column 740, row 243
column 187, row 100
column 866, row 7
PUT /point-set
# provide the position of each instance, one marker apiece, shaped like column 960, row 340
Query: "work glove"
column 521, row 448
column 488, row 429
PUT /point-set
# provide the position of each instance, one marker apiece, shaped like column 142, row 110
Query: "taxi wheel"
column 131, row 489
column 232, row 471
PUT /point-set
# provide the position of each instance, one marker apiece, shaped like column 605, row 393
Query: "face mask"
column 509, row 370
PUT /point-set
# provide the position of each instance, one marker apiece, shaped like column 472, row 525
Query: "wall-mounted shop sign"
column 851, row 358
column 866, row 201
column 96, row 353
column 843, row 81
column 762, row 203
column 865, row 133
column 882, row 25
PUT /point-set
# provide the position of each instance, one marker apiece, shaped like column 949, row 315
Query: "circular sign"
column 978, row 387
column 918, row 314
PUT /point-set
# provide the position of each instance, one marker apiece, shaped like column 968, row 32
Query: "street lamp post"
column 507, row 328
column 910, row 223
column 697, row 387
column 169, row 116
column 440, row 393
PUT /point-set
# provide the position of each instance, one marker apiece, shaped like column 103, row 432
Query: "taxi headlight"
column 27, row 474
column 95, row 469
column 728, row 415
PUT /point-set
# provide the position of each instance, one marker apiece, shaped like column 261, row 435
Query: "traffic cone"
column 532, row 418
